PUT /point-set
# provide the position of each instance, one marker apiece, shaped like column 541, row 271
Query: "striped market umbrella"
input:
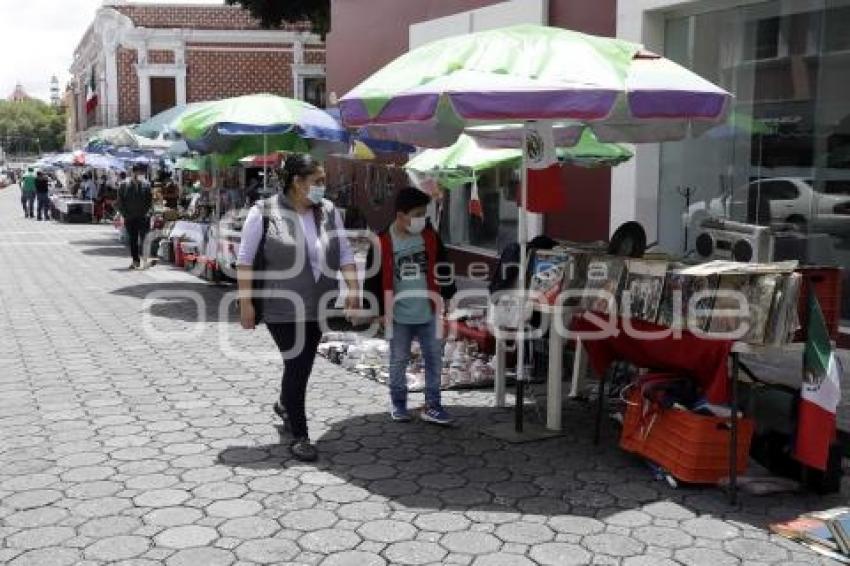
column 624, row 93
column 283, row 123
column 467, row 154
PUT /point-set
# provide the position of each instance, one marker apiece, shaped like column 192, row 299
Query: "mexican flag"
column 820, row 394
column 545, row 193
column 91, row 93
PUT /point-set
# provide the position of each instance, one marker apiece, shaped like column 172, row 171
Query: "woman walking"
column 298, row 238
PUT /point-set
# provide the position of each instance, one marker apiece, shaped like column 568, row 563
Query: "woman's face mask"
column 316, row 193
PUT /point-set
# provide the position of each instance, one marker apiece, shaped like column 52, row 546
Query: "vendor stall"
column 67, row 208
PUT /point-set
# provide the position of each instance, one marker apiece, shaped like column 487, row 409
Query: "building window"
column 497, row 228
column 314, row 91
column 766, row 38
column 784, row 157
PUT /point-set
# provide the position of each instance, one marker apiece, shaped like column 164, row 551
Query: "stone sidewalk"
column 130, row 433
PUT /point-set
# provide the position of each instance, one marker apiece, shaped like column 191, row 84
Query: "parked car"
column 780, row 200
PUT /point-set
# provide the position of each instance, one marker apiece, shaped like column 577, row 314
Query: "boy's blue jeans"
column 432, row 353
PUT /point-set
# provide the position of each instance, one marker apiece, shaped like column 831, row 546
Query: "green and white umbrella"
column 284, row 123
column 258, row 124
column 460, row 163
column 164, row 122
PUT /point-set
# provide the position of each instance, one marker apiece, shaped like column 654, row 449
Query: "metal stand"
column 733, row 442
column 518, row 406
column 600, row 409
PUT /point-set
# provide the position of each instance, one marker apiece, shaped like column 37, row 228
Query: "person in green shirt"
column 28, row 193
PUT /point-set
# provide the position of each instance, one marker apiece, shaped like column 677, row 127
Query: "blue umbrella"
column 374, row 144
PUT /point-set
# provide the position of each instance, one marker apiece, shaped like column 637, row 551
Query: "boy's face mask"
column 417, row 224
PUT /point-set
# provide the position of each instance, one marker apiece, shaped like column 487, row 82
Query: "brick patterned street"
column 129, row 436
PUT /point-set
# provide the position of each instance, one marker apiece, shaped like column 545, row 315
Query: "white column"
column 180, row 86
column 83, row 121
column 110, row 95
column 144, row 95
column 144, row 76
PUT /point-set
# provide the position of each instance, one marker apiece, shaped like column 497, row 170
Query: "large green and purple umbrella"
column 527, row 72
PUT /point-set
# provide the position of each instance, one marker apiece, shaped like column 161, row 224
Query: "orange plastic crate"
column 693, row 448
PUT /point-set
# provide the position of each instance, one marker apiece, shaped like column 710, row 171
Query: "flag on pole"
column 820, row 394
column 545, row 192
column 91, row 94
column 475, row 208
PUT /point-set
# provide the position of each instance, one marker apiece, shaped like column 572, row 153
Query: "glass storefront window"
column 499, row 224
column 783, row 160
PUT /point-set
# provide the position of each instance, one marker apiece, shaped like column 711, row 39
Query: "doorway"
column 163, row 94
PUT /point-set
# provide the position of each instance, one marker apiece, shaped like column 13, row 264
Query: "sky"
column 38, row 38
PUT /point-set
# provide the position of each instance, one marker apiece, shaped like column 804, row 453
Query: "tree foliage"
column 274, row 13
column 30, row 126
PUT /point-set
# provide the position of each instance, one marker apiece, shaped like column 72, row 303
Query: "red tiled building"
column 140, row 59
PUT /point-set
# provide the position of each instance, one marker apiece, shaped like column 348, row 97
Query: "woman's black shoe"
column 303, row 450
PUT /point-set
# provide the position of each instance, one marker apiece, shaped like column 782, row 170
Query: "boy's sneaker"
column 400, row 415
column 437, row 416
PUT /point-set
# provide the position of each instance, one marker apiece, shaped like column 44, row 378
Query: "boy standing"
column 410, row 285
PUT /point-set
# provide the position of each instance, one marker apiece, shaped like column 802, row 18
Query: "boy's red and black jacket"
column 441, row 281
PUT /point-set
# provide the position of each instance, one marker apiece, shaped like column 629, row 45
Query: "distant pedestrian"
column 134, row 203
column 100, row 191
column 28, row 192
column 88, row 187
column 42, row 195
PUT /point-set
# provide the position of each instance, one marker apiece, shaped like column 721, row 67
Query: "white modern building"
column 785, row 156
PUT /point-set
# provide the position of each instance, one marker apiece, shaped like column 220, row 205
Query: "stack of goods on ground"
column 464, row 367
column 825, row 532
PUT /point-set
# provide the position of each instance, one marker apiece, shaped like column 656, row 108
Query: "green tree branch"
column 274, row 13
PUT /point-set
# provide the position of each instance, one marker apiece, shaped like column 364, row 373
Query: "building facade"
column 784, row 159
column 136, row 60
column 355, row 51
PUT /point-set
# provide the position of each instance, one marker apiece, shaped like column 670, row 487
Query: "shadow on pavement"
column 423, row 467
column 188, row 302
column 98, row 242
column 107, row 252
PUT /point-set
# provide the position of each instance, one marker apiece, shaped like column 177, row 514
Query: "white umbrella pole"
column 265, row 164
column 523, row 267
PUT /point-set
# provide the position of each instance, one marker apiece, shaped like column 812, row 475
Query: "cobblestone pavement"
column 124, row 446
